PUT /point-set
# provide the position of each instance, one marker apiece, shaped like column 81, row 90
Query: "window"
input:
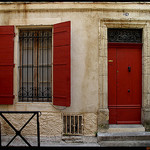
column 35, row 70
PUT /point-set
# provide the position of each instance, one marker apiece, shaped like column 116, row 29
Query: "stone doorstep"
column 125, row 128
column 125, row 144
column 123, row 136
column 126, row 139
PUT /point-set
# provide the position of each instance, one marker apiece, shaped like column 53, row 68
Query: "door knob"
column 129, row 69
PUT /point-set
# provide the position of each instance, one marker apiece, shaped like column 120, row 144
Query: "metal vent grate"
column 73, row 124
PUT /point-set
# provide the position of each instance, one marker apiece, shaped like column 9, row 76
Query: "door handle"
column 128, row 90
column 129, row 69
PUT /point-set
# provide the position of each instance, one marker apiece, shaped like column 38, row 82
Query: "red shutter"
column 61, row 64
column 6, row 64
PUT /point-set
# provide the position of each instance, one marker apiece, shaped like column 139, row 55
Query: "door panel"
column 124, row 83
column 112, row 115
column 112, row 84
column 128, row 83
column 112, row 76
column 128, row 115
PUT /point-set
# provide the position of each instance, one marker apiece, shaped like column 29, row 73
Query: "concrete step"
column 126, row 128
column 127, row 139
column 125, row 143
column 124, row 136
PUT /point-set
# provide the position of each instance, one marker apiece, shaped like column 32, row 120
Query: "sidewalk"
column 55, row 141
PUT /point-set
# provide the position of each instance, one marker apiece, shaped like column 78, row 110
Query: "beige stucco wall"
column 89, row 23
column 51, row 124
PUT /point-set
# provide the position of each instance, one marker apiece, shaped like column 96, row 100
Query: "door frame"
column 103, row 112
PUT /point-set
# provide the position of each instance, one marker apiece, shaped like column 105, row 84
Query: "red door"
column 124, row 83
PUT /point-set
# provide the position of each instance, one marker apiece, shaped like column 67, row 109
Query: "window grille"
column 72, row 124
column 35, row 65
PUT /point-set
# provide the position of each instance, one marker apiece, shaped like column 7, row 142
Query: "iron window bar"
column 18, row 132
column 35, row 65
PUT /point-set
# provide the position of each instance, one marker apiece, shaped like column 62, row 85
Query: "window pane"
column 35, row 65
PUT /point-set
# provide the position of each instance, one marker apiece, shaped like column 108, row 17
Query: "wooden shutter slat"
column 4, row 30
column 61, row 64
column 6, row 64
